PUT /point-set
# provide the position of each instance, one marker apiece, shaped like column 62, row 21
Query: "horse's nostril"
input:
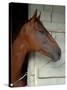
column 59, row 52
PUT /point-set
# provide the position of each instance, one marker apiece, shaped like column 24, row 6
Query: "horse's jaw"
column 54, row 57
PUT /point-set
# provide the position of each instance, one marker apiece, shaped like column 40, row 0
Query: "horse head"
column 40, row 40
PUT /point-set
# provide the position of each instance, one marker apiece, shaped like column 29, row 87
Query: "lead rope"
column 21, row 78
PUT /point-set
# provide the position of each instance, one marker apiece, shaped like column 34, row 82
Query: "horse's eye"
column 41, row 32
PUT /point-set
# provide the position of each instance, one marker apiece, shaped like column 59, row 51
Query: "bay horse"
column 33, row 36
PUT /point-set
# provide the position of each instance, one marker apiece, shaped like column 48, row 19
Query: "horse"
column 33, row 37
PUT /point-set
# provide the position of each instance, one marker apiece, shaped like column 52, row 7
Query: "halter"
column 21, row 78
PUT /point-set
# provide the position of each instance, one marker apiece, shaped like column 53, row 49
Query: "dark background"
column 18, row 14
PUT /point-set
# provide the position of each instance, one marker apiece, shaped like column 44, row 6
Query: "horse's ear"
column 35, row 14
column 39, row 15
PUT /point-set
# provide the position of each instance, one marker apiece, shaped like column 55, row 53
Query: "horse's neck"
column 19, row 51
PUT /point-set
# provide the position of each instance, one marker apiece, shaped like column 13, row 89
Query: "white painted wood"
column 58, row 14
column 53, row 69
column 31, row 70
column 58, row 18
column 50, row 81
column 47, row 8
column 59, row 9
column 46, row 16
column 54, row 27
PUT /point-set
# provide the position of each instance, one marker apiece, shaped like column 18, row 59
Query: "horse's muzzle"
column 57, row 55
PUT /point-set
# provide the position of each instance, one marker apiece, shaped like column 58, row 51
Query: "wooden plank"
column 54, row 27
column 51, row 81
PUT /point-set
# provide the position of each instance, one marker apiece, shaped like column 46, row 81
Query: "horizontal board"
column 54, row 27
column 50, row 81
